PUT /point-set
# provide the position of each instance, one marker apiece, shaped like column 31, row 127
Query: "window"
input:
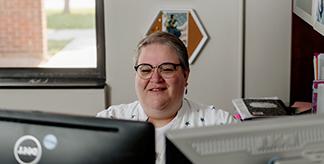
column 52, row 43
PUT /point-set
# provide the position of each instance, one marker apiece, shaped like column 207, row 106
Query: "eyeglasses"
column 166, row 70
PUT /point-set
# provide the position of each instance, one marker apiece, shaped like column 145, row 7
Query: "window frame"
column 25, row 77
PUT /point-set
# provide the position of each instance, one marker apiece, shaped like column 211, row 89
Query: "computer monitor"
column 288, row 139
column 38, row 137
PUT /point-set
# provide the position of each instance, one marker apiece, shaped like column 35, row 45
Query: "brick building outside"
column 23, row 40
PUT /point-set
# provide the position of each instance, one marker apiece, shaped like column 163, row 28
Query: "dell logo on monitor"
column 27, row 150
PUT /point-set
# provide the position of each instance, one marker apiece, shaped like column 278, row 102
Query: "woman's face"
column 160, row 97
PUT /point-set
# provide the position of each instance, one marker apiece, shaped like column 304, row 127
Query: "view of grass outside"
column 71, row 34
column 77, row 19
column 55, row 46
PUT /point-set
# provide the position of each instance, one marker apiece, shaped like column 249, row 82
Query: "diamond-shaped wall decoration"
column 185, row 25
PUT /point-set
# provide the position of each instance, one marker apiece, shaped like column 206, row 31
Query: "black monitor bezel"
column 128, row 130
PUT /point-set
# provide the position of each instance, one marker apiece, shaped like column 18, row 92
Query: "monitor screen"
column 288, row 139
column 38, row 137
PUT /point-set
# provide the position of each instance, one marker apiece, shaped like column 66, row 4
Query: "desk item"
column 318, row 62
column 302, row 107
column 249, row 108
column 320, row 99
column 315, row 99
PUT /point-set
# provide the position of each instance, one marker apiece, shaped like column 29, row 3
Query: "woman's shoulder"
column 119, row 111
column 208, row 114
column 194, row 107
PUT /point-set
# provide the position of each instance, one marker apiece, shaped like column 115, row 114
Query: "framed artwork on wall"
column 318, row 16
column 185, row 25
column 303, row 8
column 312, row 12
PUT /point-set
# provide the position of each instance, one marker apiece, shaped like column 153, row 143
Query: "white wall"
column 267, row 50
column 215, row 76
column 70, row 101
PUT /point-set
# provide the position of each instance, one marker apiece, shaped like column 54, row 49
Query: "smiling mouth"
column 157, row 89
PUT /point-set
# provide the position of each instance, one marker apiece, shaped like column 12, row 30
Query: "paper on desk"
column 302, row 106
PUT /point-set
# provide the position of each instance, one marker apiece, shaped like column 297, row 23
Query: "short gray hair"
column 166, row 39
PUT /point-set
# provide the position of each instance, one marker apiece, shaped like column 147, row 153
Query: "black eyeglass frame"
column 158, row 66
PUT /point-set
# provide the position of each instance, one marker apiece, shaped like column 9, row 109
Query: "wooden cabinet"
column 305, row 42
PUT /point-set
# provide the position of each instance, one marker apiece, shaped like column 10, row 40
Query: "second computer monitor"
column 298, row 140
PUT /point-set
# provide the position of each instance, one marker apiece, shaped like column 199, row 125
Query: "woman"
column 161, row 80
